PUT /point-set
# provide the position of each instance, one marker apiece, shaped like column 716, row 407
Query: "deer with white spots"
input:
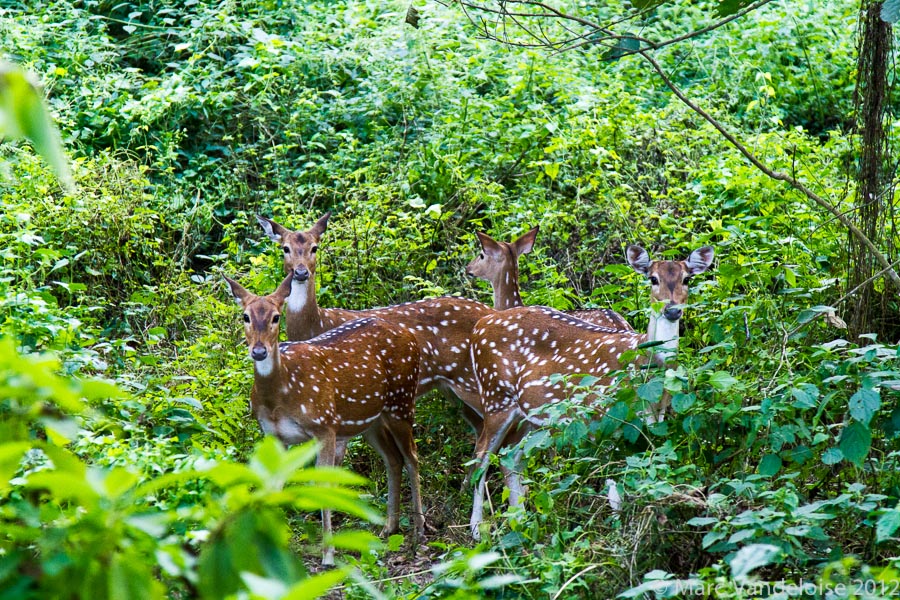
column 442, row 326
column 498, row 264
column 516, row 351
column 359, row 378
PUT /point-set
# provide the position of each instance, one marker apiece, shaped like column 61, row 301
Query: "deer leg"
column 326, row 459
column 513, row 476
column 402, row 432
column 340, row 449
column 379, row 438
column 496, row 426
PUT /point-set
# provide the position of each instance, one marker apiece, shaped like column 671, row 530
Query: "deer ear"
column 638, row 259
column 700, row 260
column 319, row 228
column 524, row 244
column 275, row 231
column 284, row 290
column 239, row 293
column 489, row 246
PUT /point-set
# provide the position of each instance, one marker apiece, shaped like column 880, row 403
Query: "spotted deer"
column 358, row 378
column 516, row 351
column 498, row 264
column 442, row 326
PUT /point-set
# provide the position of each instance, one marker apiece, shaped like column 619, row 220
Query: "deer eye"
column 687, row 279
column 246, row 318
column 313, row 249
column 286, row 249
column 275, row 319
column 654, row 280
column 481, row 256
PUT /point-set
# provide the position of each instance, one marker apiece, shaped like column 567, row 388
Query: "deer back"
column 341, row 381
column 515, row 353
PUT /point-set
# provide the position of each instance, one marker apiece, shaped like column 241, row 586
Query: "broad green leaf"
column 712, row 537
column 752, row 557
column 722, row 381
column 702, row 521
column 267, row 458
column 24, row 115
column 650, row 391
column 887, row 524
column 832, row 456
column 864, row 404
column 65, row 486
column 317, row 585
column 855, row 442
column 727, row 8
column 335, row 475
column 769, row 465
column 805, row 397
column 131, row 579
column 683, row 402
column 359, row 541
column 890, row 11
column 10, row 455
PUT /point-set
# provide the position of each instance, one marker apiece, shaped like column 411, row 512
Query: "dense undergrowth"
column 185, row 119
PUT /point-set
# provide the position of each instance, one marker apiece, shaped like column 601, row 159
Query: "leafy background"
column 183, row 119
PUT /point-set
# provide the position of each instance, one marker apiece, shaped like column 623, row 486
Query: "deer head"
column 261, row 321
column 669, row 278
column 299, row 247
column 498, row 264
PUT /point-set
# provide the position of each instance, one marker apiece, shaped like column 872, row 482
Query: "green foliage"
column 74, row 529
column 185, row 119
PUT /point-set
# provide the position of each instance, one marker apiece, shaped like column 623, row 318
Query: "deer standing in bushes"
column 498, row 264
column 442, row 326
column 357, row 379
column 516, row 351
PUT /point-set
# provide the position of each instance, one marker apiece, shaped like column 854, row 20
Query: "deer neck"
column 663, row 330
column 302, row 311
column 506, row 290
column 267, row 373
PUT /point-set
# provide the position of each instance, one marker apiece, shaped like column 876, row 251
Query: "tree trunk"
column 873, row 213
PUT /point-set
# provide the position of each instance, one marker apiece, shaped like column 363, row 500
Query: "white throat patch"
column 663, row 330
column 297, row 300
column 264, row 367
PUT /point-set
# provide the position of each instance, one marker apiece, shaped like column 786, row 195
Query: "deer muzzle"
column 672, row 312
column 301, row 274
column 258, row 352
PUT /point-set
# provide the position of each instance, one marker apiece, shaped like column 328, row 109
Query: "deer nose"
column 258, row 352
column 672, row 313
column 301, row 274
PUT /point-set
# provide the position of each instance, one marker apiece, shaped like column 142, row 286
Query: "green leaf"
column 722, row 381
column 805, row 397
column 131, row 579
column 769, row 465
column 752, row 557
column 890, row 11
column 712, row 537
column 726, row 8
column 613, row 419
column 651, row 391
column 855, row 442
column 358, row 541
column 336, row 475
column 887, row 524
column 23, row 114
column 702, row 521
column 864, row 404
column 10, row 455
column 317, row 585
column 683, row 402
column 832, row 456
